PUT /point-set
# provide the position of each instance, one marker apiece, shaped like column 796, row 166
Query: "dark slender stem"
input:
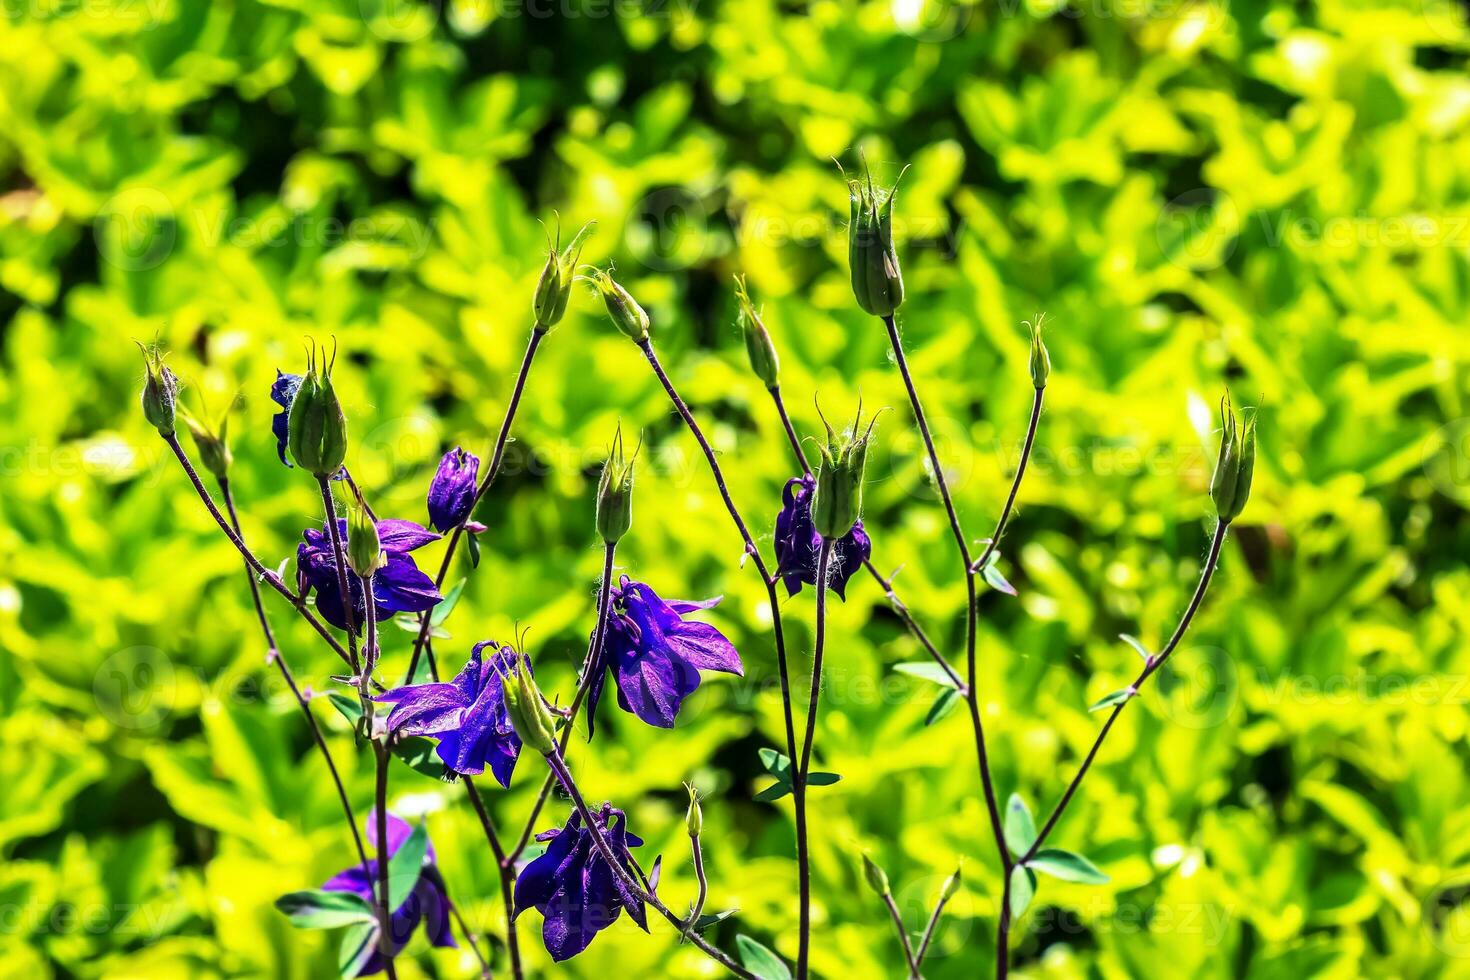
column 371, row 652
column 464, row 928
column 804, row 926
column 590, row 666
column 496, row 458
column 884, row 582
column 564, row 775
column 1153, row 664
column 385, row 922
column 279, row 659
column 1003, row 932
column 971, row 612
column 339, row 558
column 505, row 872
column 254, row 563
column 806, row 467
column 772, row 598
column 357, row 494
column 929, row 933
column 697, row 852
column 903, row 935
column 1005, row 513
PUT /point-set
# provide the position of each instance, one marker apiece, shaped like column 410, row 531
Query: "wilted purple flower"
column 655, row 655
column 283, row 393
column 452, row 494
column 797, row 542
column 573, row 887
column 467, row 715
column 428, row 902
column 398, row 586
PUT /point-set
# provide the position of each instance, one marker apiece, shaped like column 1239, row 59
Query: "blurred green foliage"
column 1267, row 195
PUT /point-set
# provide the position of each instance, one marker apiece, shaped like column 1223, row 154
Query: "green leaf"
column 942, row 706
column 712, row 918
column 419, row 755
column 409, row 623
column 1023, row 887
column 318, row 909
column 473, row 543
column 1117, row 697
column 772, row 793
column 405, row 866
column 821, row 778
column 1066, row 866
column 1134, row 642
column 349, row 707
column 926, row 670
column 761, row 961
column 357, row 948
column 1020, row 828
column 776, row 764
column 446, row 606
column 995, row 579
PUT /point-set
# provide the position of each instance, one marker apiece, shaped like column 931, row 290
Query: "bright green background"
column 1269, row 196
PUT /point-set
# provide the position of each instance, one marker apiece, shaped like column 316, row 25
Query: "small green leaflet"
column 351, row 708
column 1133, row 642
column 926, row 670
column 409, row 623
column 473, row 543
column 1117, row 697
column 405, row 866
column 418, row 754
column 1066, row 866
column 1023, row 887
column 942, row 706
column 318, row 909
column 776, row 764
column 779, row 766
column 1020, row 828
column 992, row 576
column 761, row 961
column 357, row 948
column 821, row 778
column 446, row 606
column 707, row 920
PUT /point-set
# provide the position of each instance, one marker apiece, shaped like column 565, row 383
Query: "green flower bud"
column 951, row 886
column 876, row 280
column 316, row 430
column 694, row 818
column 529, row 716
column 1227, row 466
column 160, row 392
column 1040, row 359
column 364, row 550
column 555, row 286
column 758, row 344
column 615, row 492
column 877, row 877
column 626, row 314
column 837, row 503
column 214, row 451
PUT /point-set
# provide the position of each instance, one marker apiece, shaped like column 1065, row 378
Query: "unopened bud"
column 1230, row 487
column 626, row 314
column 364, row 549
column 214, row 451
column 528, row 713
column 1040, row 359
column 694, row 818
column 876, row 876
column 758, row 344
column 160, row 392
column 554, row 288
column 316, row 428
column 837, row 503
column 951, row 886
column 615, row 493
column 877, row 282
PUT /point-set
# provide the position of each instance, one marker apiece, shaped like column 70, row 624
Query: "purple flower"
column 398, row 586
column 655, row 655
column 573, row 887
column 797, row 542
column 452, row 494
column 467, row 715
column 283, row 393
column 428, row 902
